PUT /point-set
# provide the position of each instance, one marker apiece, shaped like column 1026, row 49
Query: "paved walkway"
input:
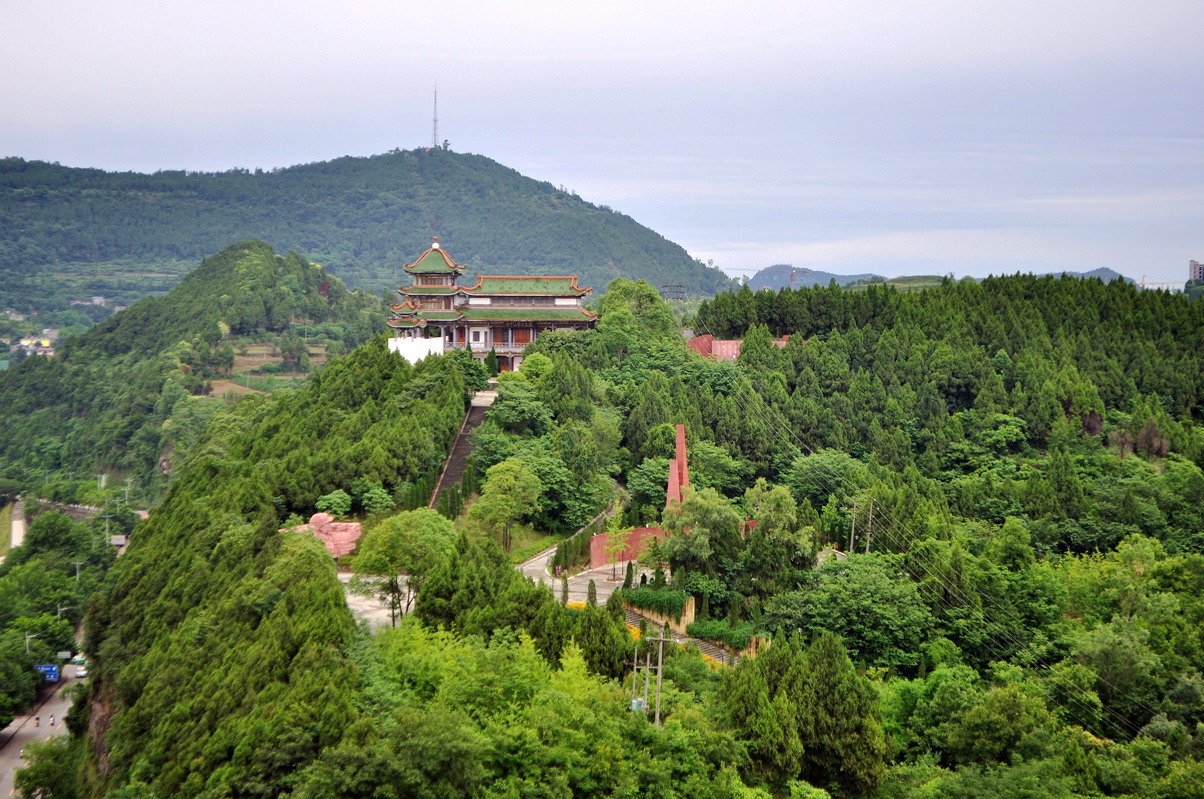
column 22, row 729
column 365, row 608
column 17, row 534
column 539, row 568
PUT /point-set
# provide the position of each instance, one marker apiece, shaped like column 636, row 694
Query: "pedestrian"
column 51, row 719
column 37, row 721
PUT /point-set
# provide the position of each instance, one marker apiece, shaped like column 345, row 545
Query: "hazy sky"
column 899, row 138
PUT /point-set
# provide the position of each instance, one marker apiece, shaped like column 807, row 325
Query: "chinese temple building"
column 503, row 313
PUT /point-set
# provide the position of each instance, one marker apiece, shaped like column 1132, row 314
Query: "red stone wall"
column 638, row 540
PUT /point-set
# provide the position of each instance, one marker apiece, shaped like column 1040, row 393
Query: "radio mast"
column 435, row 122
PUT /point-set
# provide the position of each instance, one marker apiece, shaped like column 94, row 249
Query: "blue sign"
column 51, row 672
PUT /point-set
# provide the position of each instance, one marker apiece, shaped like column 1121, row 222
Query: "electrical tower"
column 673, row 291
column 435, row 123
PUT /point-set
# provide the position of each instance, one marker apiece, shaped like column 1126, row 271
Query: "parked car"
column 81, row 672
column 79, row 659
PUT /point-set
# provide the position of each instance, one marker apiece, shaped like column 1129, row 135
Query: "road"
column 22, row 730
column 366, row 608
column 537, row 569
column 17, row 532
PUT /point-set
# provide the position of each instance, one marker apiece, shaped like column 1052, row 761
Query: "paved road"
column 365, row 608
column 17, row 534
column 22, row 730
column 537, row 568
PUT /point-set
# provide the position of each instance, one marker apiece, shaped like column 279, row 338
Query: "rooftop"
column 557, row 285
column 434, row 261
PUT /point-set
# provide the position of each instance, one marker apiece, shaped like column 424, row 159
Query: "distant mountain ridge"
column 1102, row 273
column 779, row 276
column 363, row 218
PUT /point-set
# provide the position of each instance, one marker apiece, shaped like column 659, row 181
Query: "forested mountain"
column 123, row 395
column 1011, row 470
column 362, row 218
column 1100, row 273
column 781, row 276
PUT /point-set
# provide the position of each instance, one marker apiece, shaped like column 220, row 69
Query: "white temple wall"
column 415, row 349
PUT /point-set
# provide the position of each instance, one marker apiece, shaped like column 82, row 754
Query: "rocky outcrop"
column 339, row 538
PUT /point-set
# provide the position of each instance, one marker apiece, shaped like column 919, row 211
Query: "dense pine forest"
column 976, row 568
column 69, row 232
column 125, row 395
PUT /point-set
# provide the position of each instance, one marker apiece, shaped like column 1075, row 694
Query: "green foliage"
column 665, row 601
column 337, row 503
column 807, row 714
column 412, row 543
column 511, row 492
column 221, row 645
column 737, row 636
column 122, row 396
column 879, row 613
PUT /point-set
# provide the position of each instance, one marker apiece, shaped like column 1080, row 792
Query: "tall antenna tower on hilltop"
column 435, row 122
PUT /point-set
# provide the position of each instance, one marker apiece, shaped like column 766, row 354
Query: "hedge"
column 737, row 636
column 665, row 601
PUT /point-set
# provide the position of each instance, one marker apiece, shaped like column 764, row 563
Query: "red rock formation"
column 339, row 537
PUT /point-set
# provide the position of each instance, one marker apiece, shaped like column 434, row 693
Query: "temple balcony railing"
column 501, row 348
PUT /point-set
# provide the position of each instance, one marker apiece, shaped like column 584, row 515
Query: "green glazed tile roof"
column 405, row 322
column 439, row 316
column 517, row 284
column 434, row 261
column 486, row 314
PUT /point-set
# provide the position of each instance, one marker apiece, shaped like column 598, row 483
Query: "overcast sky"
column 967, row 137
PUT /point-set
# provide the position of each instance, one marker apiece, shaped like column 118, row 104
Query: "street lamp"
column 59, row 612
column 29, row 637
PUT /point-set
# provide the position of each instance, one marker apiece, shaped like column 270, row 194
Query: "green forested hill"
column 125, row 393
column 363, row 218
column 1017, row 611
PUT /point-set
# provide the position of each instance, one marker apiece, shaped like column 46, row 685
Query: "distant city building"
column 1195, row 272
column 504, row 313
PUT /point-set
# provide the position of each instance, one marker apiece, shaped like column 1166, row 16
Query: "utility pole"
column 29, row 637
column 869, row 531
column 660, row 664
column 108, row 540
column 129, row 484
column 100, row 481
column 59, row 612
column 635, row 673
column 647, row 678
column 852, row 527
column 78, row 564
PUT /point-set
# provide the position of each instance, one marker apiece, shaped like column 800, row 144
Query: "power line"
column 896, row 538
column 951, row 590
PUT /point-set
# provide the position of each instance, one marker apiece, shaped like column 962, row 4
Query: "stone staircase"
column 709, row 648
column 457, row 459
